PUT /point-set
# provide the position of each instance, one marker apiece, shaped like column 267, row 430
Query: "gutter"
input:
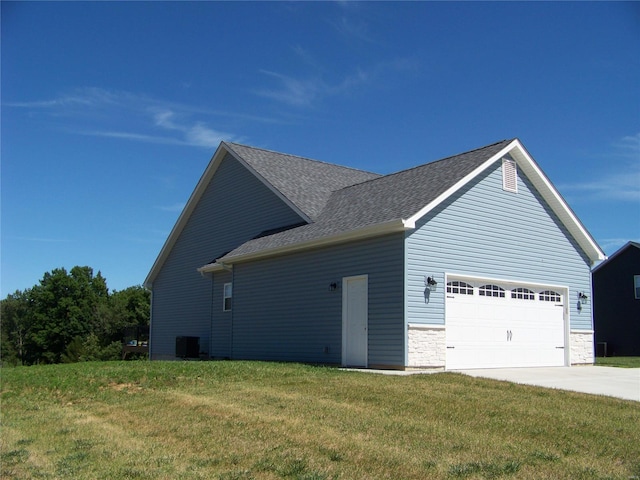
column 396, row 225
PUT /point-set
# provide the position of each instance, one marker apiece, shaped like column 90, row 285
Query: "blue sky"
column 112, row 110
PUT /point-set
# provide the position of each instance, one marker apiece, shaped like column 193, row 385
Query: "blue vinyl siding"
column 284, row 310
column 235, row 207
column 485, row 231
column 220, row 320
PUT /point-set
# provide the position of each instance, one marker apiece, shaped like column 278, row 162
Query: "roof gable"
column 395, row 202
column 306, row 184
column 303, row 184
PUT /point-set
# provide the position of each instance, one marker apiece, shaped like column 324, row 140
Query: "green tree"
column 64, row 306
column 15, row 327
column 69, row 317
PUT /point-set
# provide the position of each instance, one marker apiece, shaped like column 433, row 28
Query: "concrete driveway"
column 614, row 382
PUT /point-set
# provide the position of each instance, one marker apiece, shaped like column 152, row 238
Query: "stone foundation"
column 581, row 342
column 427, row 346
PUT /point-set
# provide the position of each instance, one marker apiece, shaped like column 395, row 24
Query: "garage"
column 491, row 324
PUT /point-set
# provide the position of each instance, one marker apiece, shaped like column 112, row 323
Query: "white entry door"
column 355, row 320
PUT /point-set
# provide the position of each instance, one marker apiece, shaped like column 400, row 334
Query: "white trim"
column 427, row 326
column 360, row 233
column 542, row 184
column 519, row 283
column 225, row 297
column 411, row 221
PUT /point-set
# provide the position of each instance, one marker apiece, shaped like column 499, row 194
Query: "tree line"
column 69, row 317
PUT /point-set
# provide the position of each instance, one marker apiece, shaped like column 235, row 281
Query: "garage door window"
column 459, row 287
column 491, row 291
column 550, row 296
column 523, row 294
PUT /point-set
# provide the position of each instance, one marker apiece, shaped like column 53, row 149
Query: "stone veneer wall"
column 426, row 345
column 581, row 342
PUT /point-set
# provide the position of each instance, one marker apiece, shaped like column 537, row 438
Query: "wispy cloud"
column 176, row 207
column 621, row 185
column 130, row 116
column 610, row 245
column 306, row 91
column 40, row 239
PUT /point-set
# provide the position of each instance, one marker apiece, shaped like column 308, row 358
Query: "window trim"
column 491, row 290
column 523, row 293
column 459, row 287
column 550, row 296
column 227, row 298
column 636, row 287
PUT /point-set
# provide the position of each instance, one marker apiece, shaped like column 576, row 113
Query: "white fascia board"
column 411, row 222
column 358, row 234
column 213, row 267
column 197, row 193
column 557, row 203
column 544, row 186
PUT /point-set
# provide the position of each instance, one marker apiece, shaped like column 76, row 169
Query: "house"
column 471, row 261
column 616, row 302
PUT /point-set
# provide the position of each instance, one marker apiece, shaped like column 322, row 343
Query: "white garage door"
column 498, row 324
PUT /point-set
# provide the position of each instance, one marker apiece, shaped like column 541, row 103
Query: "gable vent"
column 509, row 175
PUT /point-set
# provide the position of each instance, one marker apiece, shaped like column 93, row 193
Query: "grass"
column 624, row 362
column 250, row 420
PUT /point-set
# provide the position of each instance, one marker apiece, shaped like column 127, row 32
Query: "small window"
column 459, row 287
column 636, row 286
column 523, row 294
column 491, row 291
column 550, row 296
column 509, row 175
column 226, row 302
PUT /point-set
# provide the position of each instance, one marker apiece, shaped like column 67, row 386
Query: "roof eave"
column 396, row 225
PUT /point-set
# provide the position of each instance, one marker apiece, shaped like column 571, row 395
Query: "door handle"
column 509, row 335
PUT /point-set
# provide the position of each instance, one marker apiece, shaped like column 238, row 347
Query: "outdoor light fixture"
column 430, row 281
column 582, row 297
column 333, row 286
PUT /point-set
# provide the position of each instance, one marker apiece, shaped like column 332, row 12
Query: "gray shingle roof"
column 372, row 201
column 306, row 183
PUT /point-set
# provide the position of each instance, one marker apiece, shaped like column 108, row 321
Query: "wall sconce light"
column 583, row 298
column 430, row 281
column 333, row 286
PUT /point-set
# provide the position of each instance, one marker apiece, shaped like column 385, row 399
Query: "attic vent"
column 509, row 175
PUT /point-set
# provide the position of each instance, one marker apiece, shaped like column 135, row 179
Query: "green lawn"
column 245, row 420
column 624, row 362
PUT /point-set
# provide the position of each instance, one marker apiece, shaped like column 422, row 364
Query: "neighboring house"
column 470, row 261
column 616, row 302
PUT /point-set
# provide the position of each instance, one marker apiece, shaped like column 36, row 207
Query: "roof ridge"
column 426, row 164
column 302, row 158
column 449, row 157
